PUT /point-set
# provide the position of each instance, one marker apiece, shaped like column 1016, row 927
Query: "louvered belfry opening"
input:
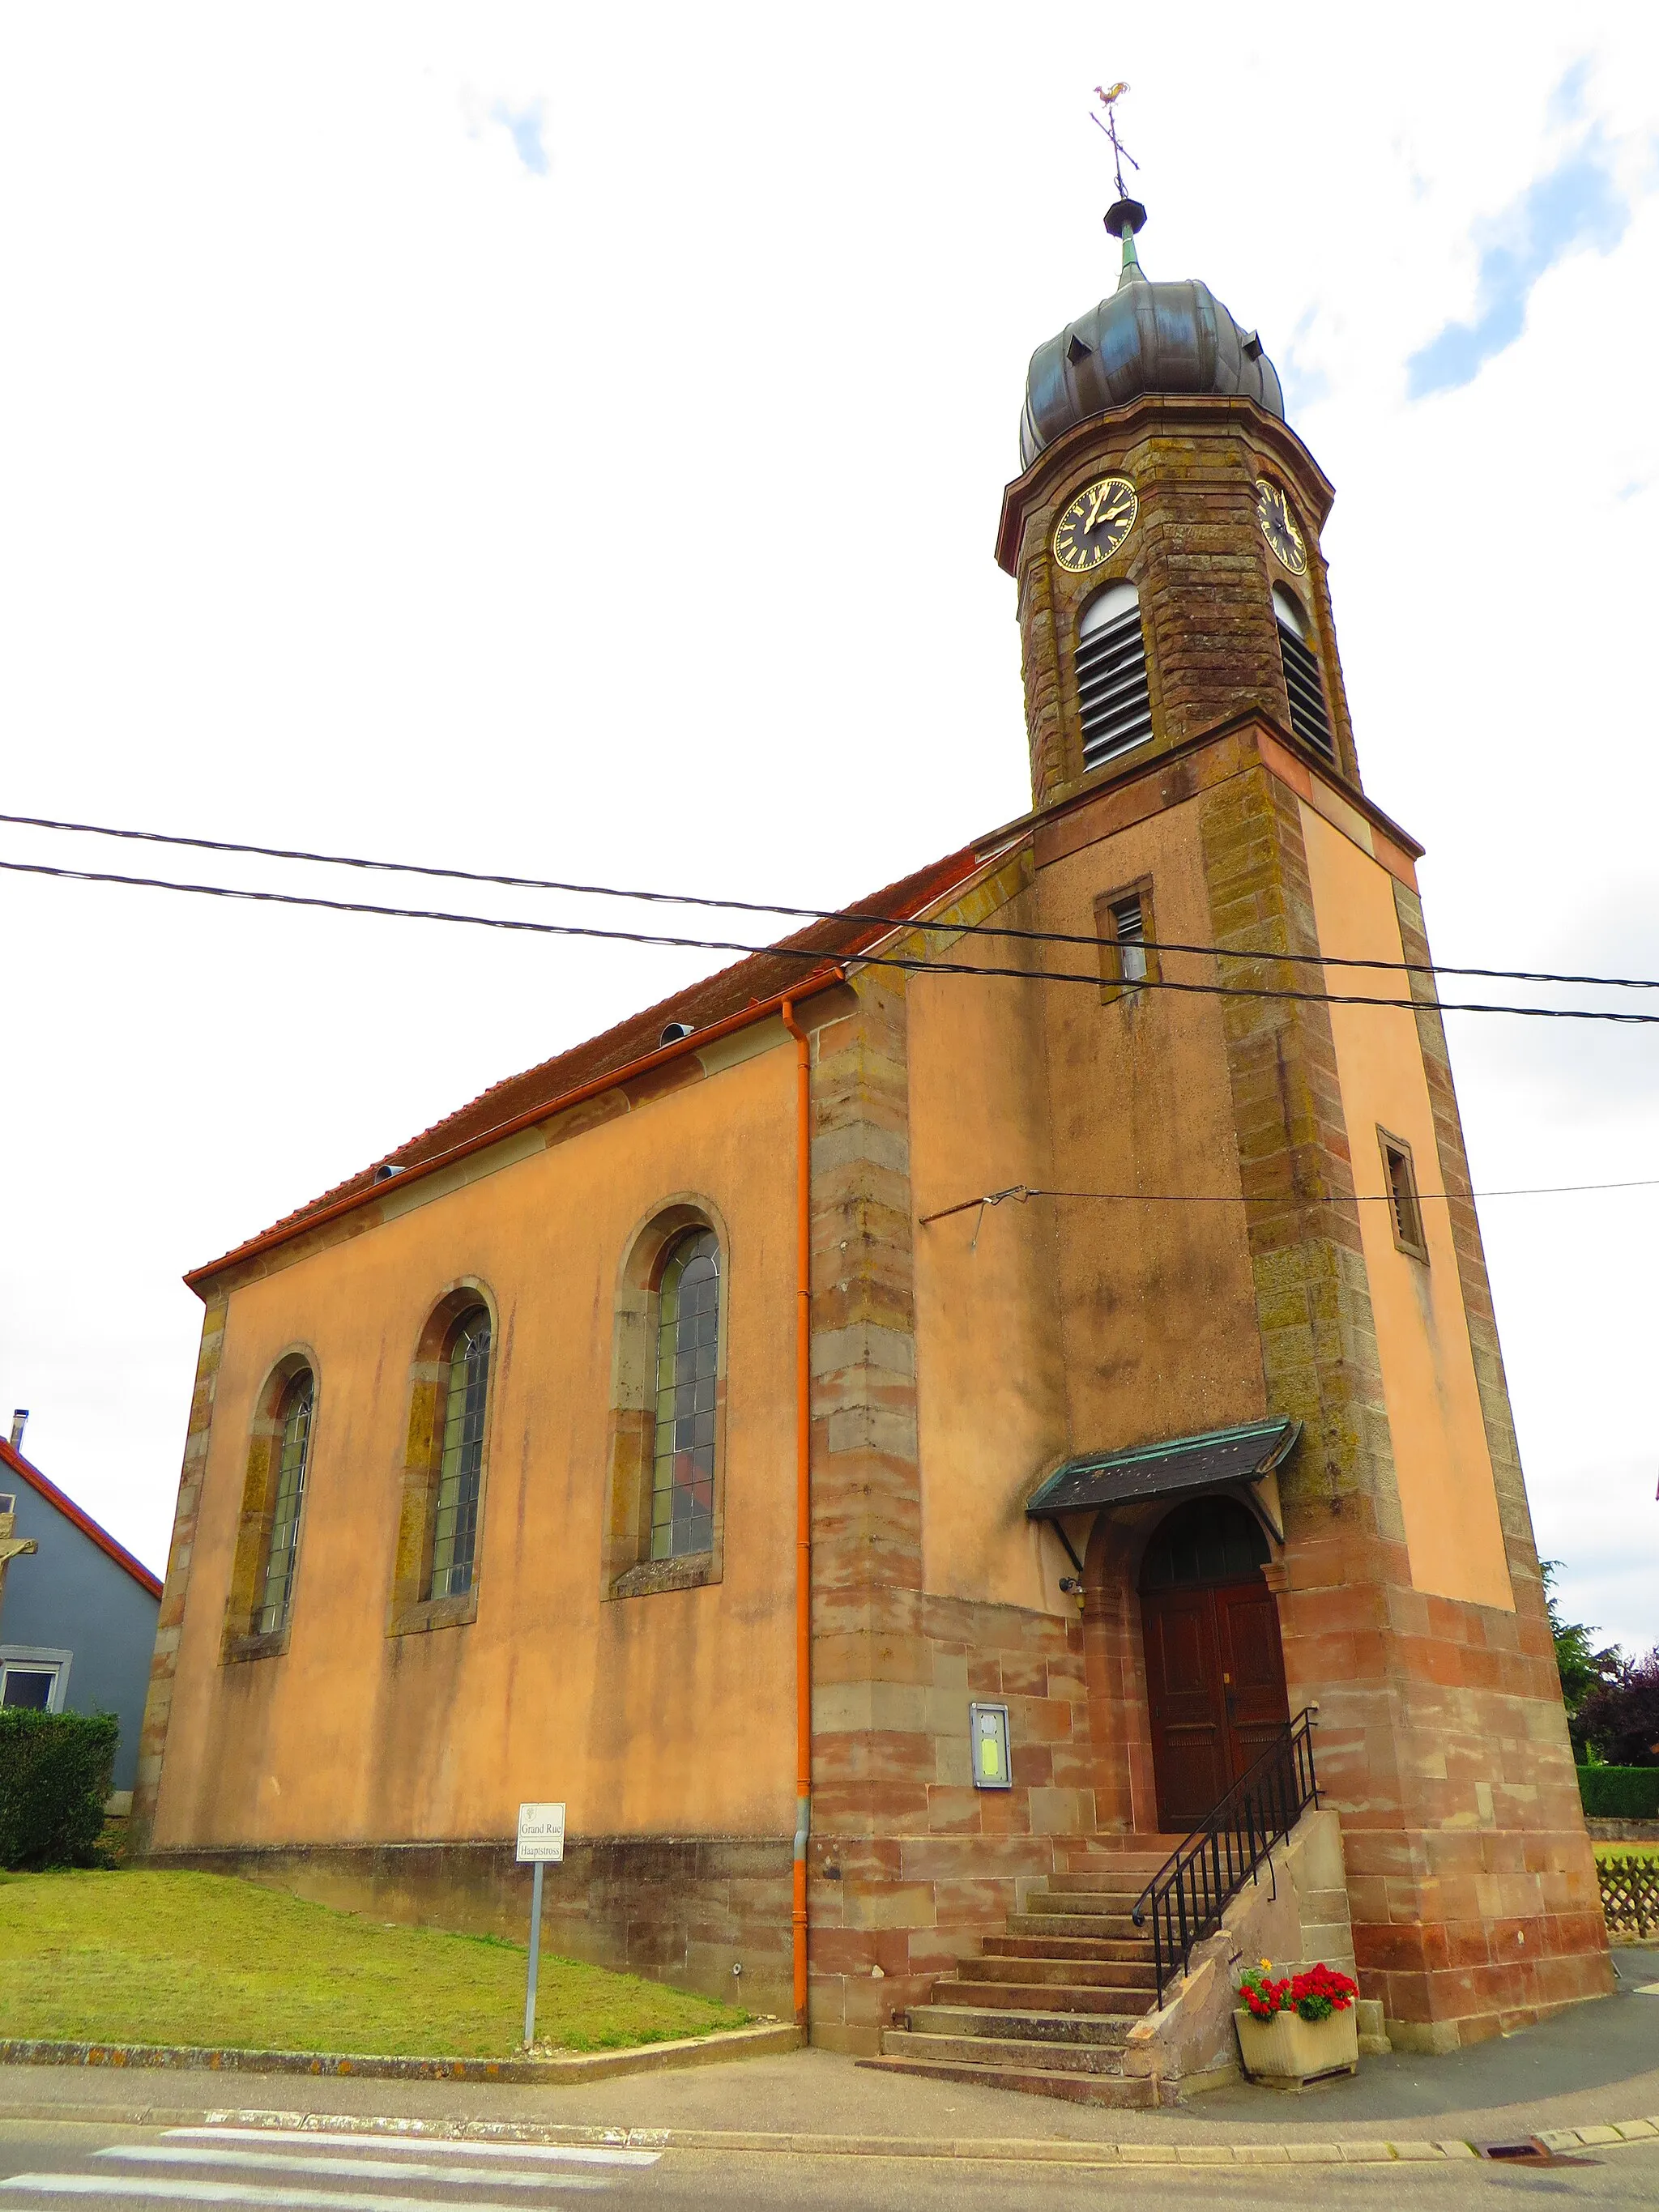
column 1113, row 698
column 1309, row 716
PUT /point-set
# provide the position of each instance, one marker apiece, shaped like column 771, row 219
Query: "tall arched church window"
column 1309, row 716
column 293, row 1446
column 460, row 1466
column 1113, row 700
column 687, row 1364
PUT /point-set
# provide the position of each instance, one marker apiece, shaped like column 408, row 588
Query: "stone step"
column 1043, row 1996
column 1070, row 2028
column 1049, row 1946
column 1004, row 2052
column 1071, row 1903
column 1120, row 1875
column 1100, row 1927
column 1076, row 2088
column 1082, row 1973
column 1148, row 1849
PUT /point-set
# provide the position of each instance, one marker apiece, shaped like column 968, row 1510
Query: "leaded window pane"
column 277, row 1592
column 460, row 1468
column 688, row 1356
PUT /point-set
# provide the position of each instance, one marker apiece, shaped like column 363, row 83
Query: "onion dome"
column 1145, row 337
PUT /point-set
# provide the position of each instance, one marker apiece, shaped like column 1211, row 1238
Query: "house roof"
column 15, row 1463
column 756, row 983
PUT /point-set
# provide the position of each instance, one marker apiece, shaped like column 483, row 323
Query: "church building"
column 896, row 1436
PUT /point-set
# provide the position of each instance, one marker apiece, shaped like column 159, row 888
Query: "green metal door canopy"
column 1251, row 1453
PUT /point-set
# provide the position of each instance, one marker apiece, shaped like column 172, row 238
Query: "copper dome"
column 1145, row 337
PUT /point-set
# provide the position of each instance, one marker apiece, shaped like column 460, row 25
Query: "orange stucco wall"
column 1071, row 1325
column 673, row 1712
column 1447, row 1495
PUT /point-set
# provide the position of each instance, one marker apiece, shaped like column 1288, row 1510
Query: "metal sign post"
column 541, row 1838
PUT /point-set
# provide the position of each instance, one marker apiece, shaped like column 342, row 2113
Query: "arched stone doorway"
column 1215, row 1669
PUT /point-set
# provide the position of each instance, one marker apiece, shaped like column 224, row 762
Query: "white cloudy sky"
column 392, row 399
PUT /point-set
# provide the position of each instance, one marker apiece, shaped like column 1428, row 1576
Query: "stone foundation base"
column 681, row 1909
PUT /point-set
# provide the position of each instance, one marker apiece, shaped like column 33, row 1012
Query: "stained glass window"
column 294, row 1439
column 460, row 1470
column 688, row 1356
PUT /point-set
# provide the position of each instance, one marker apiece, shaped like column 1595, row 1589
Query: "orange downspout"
column 803, row 1490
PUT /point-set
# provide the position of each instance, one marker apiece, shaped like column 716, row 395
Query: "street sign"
column 541, row 1833
column 541, row 1843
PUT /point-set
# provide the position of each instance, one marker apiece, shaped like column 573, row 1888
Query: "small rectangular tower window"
column 1405, row 1213
column 1128, row 942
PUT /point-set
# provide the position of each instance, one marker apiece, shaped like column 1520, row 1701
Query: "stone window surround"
column 1112, row 986
column 1391, row 1147
column 410, row 1611
column 627, row 1569
column 238, row 1640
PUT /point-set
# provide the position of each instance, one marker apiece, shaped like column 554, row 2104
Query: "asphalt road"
column 73, row 2166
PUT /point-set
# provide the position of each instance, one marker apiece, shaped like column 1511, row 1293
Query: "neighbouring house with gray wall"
column 77, row 1612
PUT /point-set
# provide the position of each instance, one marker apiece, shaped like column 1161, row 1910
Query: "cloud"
column 524, row 127
column 1577, row 203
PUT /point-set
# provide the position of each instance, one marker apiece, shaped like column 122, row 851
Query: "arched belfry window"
column 292, row 1443
column 687, row 1366
column 460, row 1464
column 1309, row 716
column 1113, row 700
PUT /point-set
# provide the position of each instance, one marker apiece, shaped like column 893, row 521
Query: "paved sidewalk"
column 1596, row 2067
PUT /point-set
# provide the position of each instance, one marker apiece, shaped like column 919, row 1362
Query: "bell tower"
column 1165, row 535
column 1267, row 1044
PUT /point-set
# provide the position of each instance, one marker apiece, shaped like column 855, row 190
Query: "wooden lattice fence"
column 1629, row 1893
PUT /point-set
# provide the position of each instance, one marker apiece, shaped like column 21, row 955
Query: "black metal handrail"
column 1194, row 1886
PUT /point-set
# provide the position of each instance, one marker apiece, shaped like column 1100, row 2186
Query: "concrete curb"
column 579, row 2066
column 1609, row 2134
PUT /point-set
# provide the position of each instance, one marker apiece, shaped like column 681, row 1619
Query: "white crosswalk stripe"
column 368, row 2169
column 180, row 2192
column 428, row 2146
column 270, row 2169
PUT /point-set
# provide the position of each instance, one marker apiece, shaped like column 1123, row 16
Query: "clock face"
column 1279, row 526
column 1094, row 524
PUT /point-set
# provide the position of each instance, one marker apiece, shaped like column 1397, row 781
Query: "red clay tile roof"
column 16, row 1464
column 756, row 980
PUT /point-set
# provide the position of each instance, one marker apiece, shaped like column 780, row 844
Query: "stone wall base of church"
column 683, row 1910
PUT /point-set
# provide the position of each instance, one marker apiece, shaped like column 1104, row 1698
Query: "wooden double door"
column 1215, row 1681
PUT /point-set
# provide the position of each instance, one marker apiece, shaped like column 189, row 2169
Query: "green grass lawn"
column 1626, row 1850
column 202, row 1959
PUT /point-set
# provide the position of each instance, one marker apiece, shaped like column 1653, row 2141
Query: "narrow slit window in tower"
column 1310, row 717
column 1405, row 1213
column 1113, row 700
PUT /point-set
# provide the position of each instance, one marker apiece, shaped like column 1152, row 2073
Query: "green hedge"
column 54, row 1778
column 1620, row 1793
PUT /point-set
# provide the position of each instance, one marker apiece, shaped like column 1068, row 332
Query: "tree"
column 1576, row 1662
column 1581, row 1669
column 1621, row 1717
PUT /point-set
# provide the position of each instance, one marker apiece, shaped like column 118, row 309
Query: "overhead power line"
column 788, row 913
column 1022, row 1191
column 815, row 956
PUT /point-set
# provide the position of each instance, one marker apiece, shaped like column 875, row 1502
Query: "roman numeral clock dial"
column 1279, row 526
column 1094, row 524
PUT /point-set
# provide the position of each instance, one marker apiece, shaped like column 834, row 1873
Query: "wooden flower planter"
column 1288, row 2053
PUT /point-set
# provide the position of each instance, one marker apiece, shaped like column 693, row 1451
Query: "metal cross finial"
column 1109, row 95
